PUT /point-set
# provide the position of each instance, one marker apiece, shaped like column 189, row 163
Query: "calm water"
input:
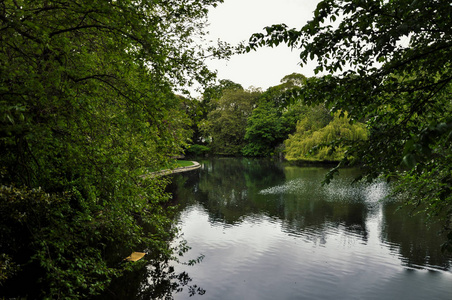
column 270, row 231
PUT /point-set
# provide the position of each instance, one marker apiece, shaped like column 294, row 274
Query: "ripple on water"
column 264, row 257
column 338, row 190
column 253, row 260
column 292, row 186
column 357, row 192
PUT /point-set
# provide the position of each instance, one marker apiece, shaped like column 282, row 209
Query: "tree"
column 226, row 125
column 274, row 117
column 197, row 110
column 315, row 133
column 389, row 64
column 294, row 79
column 212, row 94
column 265, row 130
column 87, row 106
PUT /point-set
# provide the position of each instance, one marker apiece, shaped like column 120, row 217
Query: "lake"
column 269, row 230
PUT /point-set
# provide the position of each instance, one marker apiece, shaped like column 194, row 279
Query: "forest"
column 232, row 121
column 92, row 96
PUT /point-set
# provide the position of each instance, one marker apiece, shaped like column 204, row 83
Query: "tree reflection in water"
column 157, row 280
column 349, row 226
column 409, row 237
column 232, row 190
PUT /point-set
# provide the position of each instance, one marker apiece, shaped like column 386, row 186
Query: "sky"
column 236, row 20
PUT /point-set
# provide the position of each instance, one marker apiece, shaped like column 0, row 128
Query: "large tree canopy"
column 274, row 118
column 86, row 106
column 389, row 65
column 316, row 130
column 226, row 124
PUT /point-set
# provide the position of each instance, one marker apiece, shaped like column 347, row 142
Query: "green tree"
column 265, row 130
column 197, row 110
column 226, row 125
column 274, row 117
column 294, row 79
column 390, row 64
column 212, row 94
column 314, row 135
column 86, row 106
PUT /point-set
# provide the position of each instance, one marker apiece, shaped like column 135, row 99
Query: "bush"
column 197, row 150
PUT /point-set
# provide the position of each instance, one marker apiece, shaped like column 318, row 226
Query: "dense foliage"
column 229, row 120
column 273, row 118
column 86, row 106
column 315, row 133
column 226, row 124
column 235, row 121
column 198, row 110
column 390, row 64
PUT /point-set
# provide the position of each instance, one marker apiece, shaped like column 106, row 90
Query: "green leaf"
column 409, row 160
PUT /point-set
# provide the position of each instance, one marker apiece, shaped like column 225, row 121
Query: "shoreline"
column 196, row 165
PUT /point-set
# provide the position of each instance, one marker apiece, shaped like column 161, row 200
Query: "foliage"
column 212, row 94
column 274, row 117
column 294, row 79
column 86, row 106
column 197, row 110
column 73, row 252
column 197, row 150
column 389, row 64
column 314, row 137
column 267, row 126
column 265, row 130
column 226, row 125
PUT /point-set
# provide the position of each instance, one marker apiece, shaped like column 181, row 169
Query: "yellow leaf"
column 135, row 256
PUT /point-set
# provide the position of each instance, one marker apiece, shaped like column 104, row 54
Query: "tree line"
column 231, row 120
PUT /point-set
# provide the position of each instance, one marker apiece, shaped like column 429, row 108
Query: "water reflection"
column 232, row 189
column 259, row 223
column 224, row 187
column 409, row 237
column 157, row 280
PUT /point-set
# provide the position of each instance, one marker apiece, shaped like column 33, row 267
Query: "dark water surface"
column 271, row 231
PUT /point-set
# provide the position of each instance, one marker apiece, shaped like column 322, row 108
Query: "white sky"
column 236, row 20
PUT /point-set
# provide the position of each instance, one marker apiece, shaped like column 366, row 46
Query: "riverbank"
column 192, row 167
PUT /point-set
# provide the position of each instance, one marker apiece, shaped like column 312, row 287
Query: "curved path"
column 195, row 166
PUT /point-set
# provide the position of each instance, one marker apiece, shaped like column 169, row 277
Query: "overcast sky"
column 235, row 20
